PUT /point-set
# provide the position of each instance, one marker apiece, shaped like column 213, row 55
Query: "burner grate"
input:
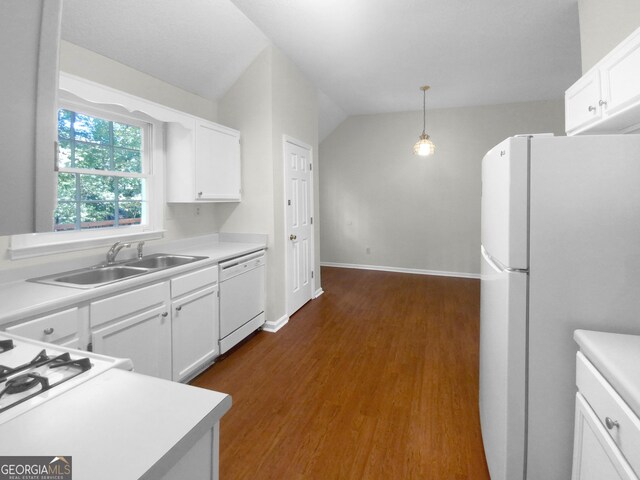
column 28, row 380
column 37, row 361
column 6, row 345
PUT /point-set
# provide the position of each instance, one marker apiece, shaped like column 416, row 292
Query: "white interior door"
column 299, row 227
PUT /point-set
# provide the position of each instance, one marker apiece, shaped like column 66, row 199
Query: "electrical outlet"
column 197, row 212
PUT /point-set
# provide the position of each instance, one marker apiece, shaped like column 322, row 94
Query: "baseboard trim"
column 318, row 293
column 273, row 327
column 415, row 271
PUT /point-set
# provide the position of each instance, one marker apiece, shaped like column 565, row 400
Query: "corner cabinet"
column 203, row 163
column 607, row 98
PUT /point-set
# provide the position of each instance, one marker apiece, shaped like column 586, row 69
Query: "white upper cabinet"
column 583, row 102
column 607, row 98
column 203, row 163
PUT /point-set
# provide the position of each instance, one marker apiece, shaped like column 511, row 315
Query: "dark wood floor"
column 375, row 379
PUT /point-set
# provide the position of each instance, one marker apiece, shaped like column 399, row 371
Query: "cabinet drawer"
column 606, row 403
column 193, row 280
column 50, row 328
column 128, row 303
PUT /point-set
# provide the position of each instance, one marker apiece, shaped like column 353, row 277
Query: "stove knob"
column 48, row 331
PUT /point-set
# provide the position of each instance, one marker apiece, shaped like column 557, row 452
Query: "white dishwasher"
column 242, row 297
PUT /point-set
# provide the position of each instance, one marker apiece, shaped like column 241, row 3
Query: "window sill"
column 39, row 244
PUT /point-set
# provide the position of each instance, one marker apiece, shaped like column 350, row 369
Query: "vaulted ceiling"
column 366, row 56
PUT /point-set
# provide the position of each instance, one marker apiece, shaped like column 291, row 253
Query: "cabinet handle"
column 178, row 308
column 164, row 314
column 199, row 194
column 602, row 103
column 48, row 331
column 592, row 108
column 611, row 423
column 292, row 237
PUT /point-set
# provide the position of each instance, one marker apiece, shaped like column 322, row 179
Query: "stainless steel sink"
column 99, row 275
column 162, row 260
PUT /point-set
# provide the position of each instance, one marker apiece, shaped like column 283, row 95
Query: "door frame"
column 287, row 139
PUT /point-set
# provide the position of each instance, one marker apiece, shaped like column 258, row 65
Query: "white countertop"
column 21, row 299
column 119, row 425
column 617, row 358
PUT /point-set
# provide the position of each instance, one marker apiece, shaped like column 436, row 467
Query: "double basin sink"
column 99, row 275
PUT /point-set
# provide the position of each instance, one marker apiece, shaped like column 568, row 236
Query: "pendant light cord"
column 424, row 111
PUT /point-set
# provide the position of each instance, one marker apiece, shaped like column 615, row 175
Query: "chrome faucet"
column 114, row 250
column 140, row 245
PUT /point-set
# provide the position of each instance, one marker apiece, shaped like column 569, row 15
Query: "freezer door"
column 505, row 197
column 503, row 329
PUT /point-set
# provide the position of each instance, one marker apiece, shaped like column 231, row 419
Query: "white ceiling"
column 367, row 56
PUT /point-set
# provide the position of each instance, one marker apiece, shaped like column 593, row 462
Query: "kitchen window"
column 110, row 175
column 103, row 169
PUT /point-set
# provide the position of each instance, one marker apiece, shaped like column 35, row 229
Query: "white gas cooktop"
column 33, row 372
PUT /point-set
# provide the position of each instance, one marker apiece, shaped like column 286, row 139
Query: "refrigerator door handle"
column 496, row 265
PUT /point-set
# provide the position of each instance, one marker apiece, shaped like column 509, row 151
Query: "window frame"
column 147, row 157
column 46, row 243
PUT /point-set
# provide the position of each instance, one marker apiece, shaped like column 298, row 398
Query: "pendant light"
column 424, row 146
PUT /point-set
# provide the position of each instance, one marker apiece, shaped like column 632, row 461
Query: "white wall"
column 603, row 25
column 295, row 113
column 28, row 74
column 271, row 99
column 248, row 107
column 98, row 68
column 415, row 212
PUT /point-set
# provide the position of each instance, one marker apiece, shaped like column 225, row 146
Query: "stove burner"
column 22, row 383
column 6, row 345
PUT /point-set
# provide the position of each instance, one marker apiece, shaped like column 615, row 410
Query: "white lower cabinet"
column 62, row 328
column 595, row 455
column 194, row 331
column 607, row 433
column 194, row 321
column 135, row 325
column 202, row 460
column 169, row 329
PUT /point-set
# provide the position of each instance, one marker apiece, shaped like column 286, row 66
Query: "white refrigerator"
column 560, row 251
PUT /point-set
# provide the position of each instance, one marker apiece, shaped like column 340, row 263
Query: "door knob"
column 292, row 237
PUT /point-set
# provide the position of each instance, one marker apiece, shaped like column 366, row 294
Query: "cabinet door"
column 621, row 76
column 595, row 456
column 582, row 102
column 194, row 331
column 217, row 163
column 145, row 338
